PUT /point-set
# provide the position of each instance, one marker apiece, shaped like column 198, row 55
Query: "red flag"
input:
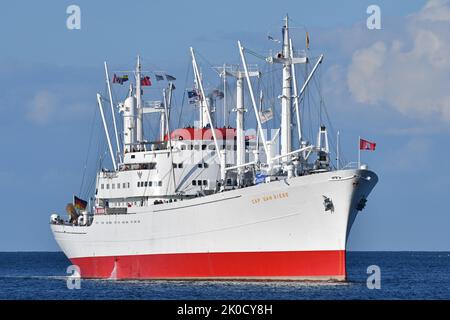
column 145, row 81
column 366, row 145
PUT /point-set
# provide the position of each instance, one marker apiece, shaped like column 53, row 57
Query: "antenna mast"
column 286, row 58
column 139, row 128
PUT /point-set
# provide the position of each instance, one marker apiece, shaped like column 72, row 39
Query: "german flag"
column 78, row 203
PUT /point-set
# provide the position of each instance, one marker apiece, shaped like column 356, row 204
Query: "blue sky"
column 389, row 85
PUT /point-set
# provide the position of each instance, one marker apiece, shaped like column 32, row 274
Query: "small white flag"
column 265, row 115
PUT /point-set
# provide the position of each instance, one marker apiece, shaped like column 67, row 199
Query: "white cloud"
column 42, row 107
column 411, row 72
column 435, row 10
column 414, row 154
column 47, row 106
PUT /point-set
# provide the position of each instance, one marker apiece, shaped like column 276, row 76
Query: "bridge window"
column 102, row 186
column 194, row 182
column 149, row 166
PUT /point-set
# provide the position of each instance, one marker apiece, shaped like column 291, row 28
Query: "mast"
column 203, row 100
column 139, row 128
column 252, row 96
column 112, row 111
column 169, row 98
column 167, row 94
column 128, row 108
column 224, row 74
column 240, row 111
column 286, row 58
column 240, row 115
column 105, row 126
column 311, row 74
column 162, row 118
column 256, row 151
column 296, row 98
column 286, row 130
column 169, row 138
column 202, row 103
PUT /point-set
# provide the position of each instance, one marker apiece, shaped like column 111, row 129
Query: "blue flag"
column 260, row 177
column 192, row 94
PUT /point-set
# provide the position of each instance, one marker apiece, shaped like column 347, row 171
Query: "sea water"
column 402, row 275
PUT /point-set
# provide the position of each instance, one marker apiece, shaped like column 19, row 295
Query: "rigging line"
column 91, row 188
column 88, row 150
column 209, row 63
column 148, row 125
column 323, row 104
column 98, row 161
column 323, row 107
column 253, row 53
column 332, row 140
column 119, row 123
column 183, row 101
column 274, row 70
column 173, row 112
column 232, row 94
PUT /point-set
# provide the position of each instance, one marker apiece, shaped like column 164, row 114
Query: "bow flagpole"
column 359, row 152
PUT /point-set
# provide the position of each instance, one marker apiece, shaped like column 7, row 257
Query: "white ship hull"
column 277, row 230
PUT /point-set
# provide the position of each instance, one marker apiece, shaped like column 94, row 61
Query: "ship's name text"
column 270, row 197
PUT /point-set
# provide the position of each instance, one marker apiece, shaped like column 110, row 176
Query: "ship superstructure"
column 210, row 202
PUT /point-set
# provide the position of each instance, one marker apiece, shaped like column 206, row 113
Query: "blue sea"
column 403, row 275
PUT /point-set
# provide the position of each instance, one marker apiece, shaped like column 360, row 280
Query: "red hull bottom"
column 285, row 265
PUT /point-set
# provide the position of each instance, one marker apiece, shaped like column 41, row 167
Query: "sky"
column 391, row 86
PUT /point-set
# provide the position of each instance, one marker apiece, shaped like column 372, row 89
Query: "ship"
column 210, row 202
